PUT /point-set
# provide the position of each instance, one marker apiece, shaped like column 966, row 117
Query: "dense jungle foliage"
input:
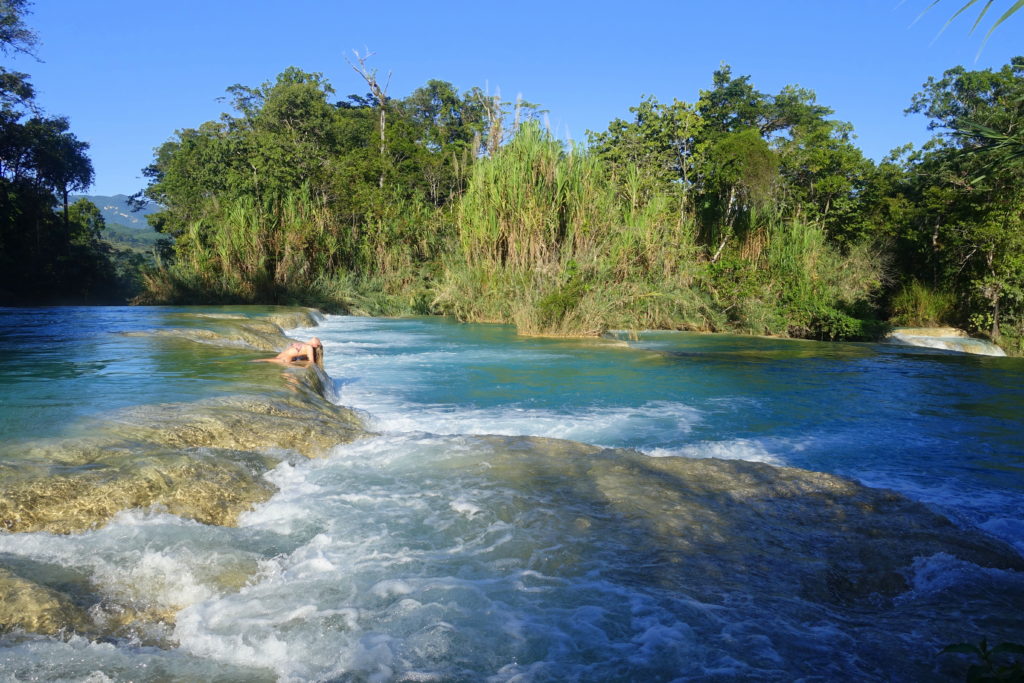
column 737, row 211
column 741, row 210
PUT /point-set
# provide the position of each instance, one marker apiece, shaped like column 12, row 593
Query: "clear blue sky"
column 129, row 73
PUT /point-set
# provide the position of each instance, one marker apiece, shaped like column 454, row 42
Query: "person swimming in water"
column 298, row 352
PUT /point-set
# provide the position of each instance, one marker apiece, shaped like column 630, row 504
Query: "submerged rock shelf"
column 203, row 461
column 704, row 528
column 723, row 524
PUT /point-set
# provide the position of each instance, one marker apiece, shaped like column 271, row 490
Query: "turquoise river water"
column 648, row 507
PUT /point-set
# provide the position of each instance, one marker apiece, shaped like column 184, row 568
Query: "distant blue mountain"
column 116, row 210
column 126, row 229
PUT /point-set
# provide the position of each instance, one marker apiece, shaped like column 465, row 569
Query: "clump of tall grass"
column 817, row 283
column 249, row 250
column 245, row 250
column 551, row 243
column 819, row 286
column 532, row 203
column 785, row 278
column 918, row 305
column 295, row 248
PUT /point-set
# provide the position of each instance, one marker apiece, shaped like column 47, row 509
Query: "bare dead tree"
column 495, row 113
column 380, row 94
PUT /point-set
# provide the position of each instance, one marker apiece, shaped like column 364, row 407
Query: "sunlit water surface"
column 401, row 557
column 941, row 427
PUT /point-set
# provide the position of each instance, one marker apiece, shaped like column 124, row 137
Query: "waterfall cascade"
column 946, row 338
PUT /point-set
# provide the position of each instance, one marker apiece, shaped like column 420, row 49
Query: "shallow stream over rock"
column 453, row 502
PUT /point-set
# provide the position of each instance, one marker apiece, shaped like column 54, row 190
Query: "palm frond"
column 981, row 15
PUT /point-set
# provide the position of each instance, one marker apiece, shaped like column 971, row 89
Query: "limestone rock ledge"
column 943, row 338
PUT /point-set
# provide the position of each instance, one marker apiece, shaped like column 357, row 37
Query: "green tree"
column 657, row 152
column 805, row 166
column 739, row 156
column 60, row 158
column 824, row 176
column 290, row 187
column 972, row 214
column 447, row 130
column 43, row 257
column 1001, row 145
column 15, row 35
column 739, row 174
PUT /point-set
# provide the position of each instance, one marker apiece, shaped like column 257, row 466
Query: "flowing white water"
column 474, row 388
column 404, row 571
column 420, row 553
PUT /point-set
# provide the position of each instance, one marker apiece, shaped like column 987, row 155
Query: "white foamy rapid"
column 390, row 374
column 143, row 560
column 395, row 570
column 411, row 563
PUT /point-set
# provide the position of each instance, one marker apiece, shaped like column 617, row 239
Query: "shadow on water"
column 799, row 548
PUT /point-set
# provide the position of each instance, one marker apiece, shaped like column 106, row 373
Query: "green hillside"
column 116, row 209
column 123, row 237
column 125, row 228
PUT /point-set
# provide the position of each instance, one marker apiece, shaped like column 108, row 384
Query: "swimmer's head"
column 315, row 342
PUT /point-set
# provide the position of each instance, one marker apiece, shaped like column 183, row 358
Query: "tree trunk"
column 381, row 94
column 994, row 333
column 728, row 208
column 383, row 117
column 997, row 291
column 714, row 259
